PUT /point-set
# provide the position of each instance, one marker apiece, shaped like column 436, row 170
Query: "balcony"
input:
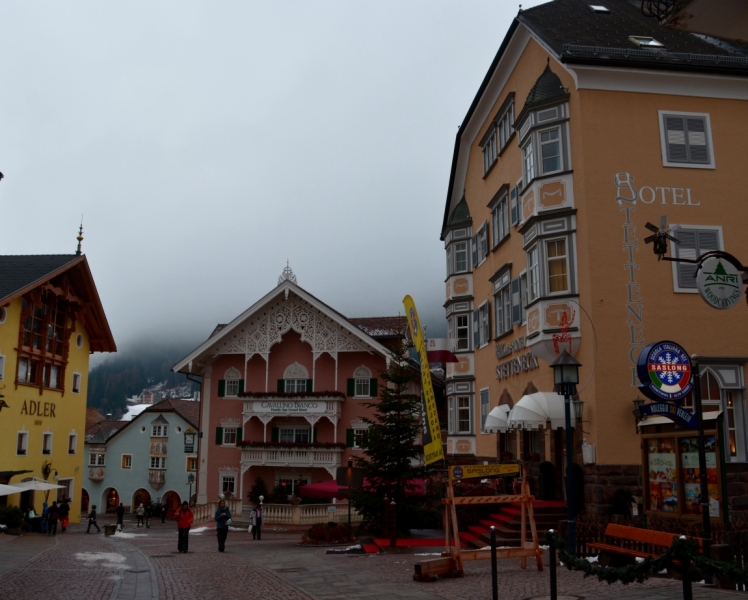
column 96, row 473
column 275, row 456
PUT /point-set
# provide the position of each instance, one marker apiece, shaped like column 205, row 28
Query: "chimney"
column 109, row 416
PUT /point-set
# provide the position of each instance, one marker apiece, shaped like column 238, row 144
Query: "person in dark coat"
column 92, row 520
column 258, row 520
column 120, row 516
column 164, row 510
column 64, row 514
column 52, row 516
column 223, row 518
column 44, row 524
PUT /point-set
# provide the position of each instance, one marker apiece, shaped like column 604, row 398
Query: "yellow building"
column 51, row 320
column 592, row 121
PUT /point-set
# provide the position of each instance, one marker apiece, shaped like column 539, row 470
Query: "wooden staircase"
column 508, row 523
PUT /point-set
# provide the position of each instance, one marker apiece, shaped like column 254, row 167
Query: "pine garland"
column 684, row 550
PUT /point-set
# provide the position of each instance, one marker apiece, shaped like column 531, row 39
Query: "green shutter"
column 349, row 438
column 274, row 434
column 241, row 386
column 351, row 387
column 373, row 388
column 314, row 434
column 239, row 434
column 219, row 435
column 310, row 385
column 221, row 388
column 281, row 385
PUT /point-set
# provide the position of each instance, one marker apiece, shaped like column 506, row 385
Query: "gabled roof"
column 460, row 215
column 20, row 274
column 382, row 327
column 189, row 410
column 101, row 432
column 283, row 289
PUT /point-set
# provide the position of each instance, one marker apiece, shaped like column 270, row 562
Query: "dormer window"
column 645, row 42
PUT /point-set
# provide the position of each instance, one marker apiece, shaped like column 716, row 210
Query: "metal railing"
column 207, row 512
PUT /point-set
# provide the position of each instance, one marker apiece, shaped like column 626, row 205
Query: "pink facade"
column 284, row 388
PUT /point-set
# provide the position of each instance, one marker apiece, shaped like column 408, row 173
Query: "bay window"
column 557, row 266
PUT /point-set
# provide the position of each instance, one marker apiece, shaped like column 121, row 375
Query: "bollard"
column 393, row 524
column 385, row 518
column 687, row 592
column 494, row 574
column 552, row 557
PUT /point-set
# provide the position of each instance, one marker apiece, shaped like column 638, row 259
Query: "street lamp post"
column 349, row 481
column 566, row 378
column 190, row 481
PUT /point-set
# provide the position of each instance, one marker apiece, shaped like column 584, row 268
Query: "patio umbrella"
column 527, row 414
column 553, row 404
column 7, row 490
column 38, row 485
column 496, row 420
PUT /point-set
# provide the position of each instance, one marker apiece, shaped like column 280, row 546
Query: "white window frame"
column 47, row 435
column 485, row 407
column 24, row 446
column 159, row 431
column 124, row 461
column 295, row 383
column 533, row 274
column 228, row 434
column 96, row 459
column 358, row 433
column 73, row 443
column 484, row 323
column 528, row 163
column 231, row 388
column 362, row 387
column 482, row 241
column 231, row 481
column 459, row 408
column 462, row 328
column 76, row 387
column 461, row 249
column 158, row 463
column 191, row 460
column 559, row 142
column 505, row 126
column 547, row 259
column 661, row 114
column 500, row 221
column 490, row 148
column 503, row 306
column 674, row 252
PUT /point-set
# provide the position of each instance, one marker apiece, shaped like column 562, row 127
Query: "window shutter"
column 314, row 434
column 686, row 249
column 241, row 386
column 274, row 434
column 310, row 385
column 349, row 438
column 515, row 205
column 373, row 392
column 516, row 301
column 675, row 130
column 239, row 434
column 484, row 250
column 281, row 385
column 476, row 328
column 475, row 251
column 221, row 388
column 351, row 387
column 697, row 144
column 219, row 435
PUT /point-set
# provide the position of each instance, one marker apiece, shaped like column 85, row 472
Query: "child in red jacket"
column 184, row 517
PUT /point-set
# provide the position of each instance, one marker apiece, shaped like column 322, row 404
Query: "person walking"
column 92, row 520
column 120, row 516
column 52, row 516
column 258, row 518
column 44, row 524
column 253, row 523
column 164, row 510
column 223, row 520
column 185, row 518
column 140, row 513
column 64, row 514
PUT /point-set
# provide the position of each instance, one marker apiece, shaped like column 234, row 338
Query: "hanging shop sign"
column 719, row 283
column 664, row 370
column 672, row 411
column 469, row 471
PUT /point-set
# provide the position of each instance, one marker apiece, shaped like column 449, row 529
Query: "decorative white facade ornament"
column 287, row 275
column 363, row 372
column 296, row 371
column 230, row 422
column 232, row 373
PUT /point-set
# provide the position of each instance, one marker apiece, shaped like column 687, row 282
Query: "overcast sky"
column 206, row 143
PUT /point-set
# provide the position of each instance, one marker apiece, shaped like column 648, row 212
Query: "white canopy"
column 7, row 490
column 496, row 420
column 535, row 410
column 38, row 485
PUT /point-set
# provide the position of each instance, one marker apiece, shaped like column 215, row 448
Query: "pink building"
column 283, row 391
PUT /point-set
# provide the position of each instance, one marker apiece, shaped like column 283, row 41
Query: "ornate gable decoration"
column 296, row 371
column 266, row 328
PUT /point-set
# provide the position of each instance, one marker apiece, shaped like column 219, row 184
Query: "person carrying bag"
column 223, row 520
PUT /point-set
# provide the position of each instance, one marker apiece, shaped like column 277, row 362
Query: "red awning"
column 327, row 490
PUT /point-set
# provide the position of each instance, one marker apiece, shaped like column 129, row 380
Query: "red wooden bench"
column 634, row 542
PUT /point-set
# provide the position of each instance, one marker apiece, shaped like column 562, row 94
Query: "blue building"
column 148, row 458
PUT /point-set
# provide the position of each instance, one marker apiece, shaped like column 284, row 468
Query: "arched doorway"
column 85, row 501
column 172, row 501
column 110, row 500
column 141, row 496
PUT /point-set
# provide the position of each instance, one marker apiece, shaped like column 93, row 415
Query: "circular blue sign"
column 664, row 369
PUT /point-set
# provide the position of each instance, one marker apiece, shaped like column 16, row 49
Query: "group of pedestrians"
column 50, row 517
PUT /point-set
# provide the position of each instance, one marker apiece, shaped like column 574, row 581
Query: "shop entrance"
column 110, row 500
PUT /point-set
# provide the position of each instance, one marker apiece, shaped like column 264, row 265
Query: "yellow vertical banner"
column 432, row 439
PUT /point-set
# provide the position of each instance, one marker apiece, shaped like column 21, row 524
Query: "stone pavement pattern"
column 145, row 564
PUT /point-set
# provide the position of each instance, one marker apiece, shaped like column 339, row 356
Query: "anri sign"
column 719, row 283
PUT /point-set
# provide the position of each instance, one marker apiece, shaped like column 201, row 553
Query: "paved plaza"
column 144, row 564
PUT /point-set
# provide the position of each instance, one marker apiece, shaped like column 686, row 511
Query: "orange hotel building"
column 594, row 119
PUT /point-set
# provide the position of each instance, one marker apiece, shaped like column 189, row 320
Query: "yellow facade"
column 33, row 412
